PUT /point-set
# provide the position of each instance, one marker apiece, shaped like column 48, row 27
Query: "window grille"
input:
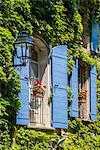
column 36, row 106
column 36, row 111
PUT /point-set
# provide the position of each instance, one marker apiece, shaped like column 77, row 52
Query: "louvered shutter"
column 93, row 93
column 95, row 36
column 74, row 90
column 23, row 113
column 59, row 87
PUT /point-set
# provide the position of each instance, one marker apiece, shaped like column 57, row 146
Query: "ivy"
column 34, row 140
column 82, row 134
column 58, row 22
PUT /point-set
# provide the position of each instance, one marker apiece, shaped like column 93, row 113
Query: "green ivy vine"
column 58, row 22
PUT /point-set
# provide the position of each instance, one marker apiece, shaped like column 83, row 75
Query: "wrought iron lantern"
column 22, row 46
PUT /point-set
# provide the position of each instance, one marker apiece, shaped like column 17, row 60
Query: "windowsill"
column 40, row 127
column 85, row 119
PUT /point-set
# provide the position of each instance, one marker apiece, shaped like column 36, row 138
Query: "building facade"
column 44, row 83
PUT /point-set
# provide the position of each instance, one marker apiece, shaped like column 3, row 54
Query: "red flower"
column 39, row 82
column 35, row 84
column 84, row 91
column 44, row 86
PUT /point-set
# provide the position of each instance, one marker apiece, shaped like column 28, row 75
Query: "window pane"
column 34, row 70
column 34, row 55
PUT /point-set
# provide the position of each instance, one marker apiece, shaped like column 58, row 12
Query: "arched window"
column 39, row 109
column 37, row 66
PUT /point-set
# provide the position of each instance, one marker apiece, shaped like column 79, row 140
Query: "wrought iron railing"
column 36, row 106
column 82, row 107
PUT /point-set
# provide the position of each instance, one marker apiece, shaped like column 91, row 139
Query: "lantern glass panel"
column 18, row 51
column 21, row 50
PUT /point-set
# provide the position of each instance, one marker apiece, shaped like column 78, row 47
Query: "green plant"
column 34, row 140
column 57, row 22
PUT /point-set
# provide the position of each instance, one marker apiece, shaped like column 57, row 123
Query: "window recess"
column 36, row 101
column 39, row 111
column 83, row 90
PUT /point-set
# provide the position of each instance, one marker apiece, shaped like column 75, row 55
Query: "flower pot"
column 39, row 95
column 38, row 92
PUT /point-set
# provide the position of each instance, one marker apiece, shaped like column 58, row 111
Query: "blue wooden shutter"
column 74, row 88
column 23, row 114
column 59, row 87
column 93, row 93
column 95, row 36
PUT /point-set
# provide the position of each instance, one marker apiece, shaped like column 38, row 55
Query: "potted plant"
column 38, row 89
column 82, row 95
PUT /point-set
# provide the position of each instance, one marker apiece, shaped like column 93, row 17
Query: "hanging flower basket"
column 38, row 90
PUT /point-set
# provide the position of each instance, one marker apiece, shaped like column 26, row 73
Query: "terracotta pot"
column 39, row 95
column 38, row 92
